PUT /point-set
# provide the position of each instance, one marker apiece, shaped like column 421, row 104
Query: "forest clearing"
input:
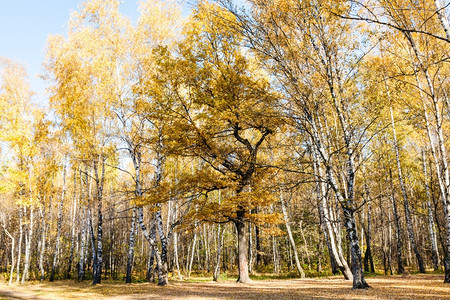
column 427, row 286
column 300, row 138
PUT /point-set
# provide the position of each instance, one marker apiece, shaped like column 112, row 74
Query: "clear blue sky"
column 25, row 26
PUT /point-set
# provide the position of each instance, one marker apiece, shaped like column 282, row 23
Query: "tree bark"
column 131, row 248
column 440, row 10
column 368, row 233
column 29, row 240
column 19, row 252
column 162, row 280
column 291, row 238
column 242, row 247
column 43, row 242
column 99, row 180
column 398, row 231
column 433, row 240
column 329, row 222
column 83, row 245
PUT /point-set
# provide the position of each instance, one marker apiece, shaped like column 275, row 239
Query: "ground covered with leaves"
column 394, row 287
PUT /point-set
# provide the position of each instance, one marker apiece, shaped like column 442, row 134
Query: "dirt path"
column 394, row 287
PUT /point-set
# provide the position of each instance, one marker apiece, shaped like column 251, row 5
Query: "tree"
column 223, row 103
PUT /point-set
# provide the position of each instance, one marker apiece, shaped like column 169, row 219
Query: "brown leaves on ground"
column 393, row 287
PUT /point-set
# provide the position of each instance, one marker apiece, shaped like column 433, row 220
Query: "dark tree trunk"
column 258, row 246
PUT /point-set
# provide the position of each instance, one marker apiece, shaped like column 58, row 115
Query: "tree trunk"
column 433, row 241
column 72, row 236
column 291, row 238
column 175, row 254
column 131, row 247
column 43, row 242
column 398, row 231
column 19, row 252
column 162, row 280
column 191, row 258
column 242, row 247
column 409, row 225
column 83, row 245
column 258, row 246
column 163, row 240
column 99, row 185
column 349, row 222
column 220, row 236
column 29, row 240
column 442, row 17
column 368, row 233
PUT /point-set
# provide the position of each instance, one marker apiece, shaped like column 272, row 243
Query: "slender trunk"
column 58, row 230
column 291, row 238
column 175, row 254
column 131, row 247
column 398, row 231
column 258, row 246
column 368, row 233
column 83, row 245
column 150, row 273
column 72, row 236
column 191, row 258
column 409, row 225
column 19, row 252
column 94, row 253
column 29, row 240
column 220, row 236
column 305, row 242
column 250, row 248
column 219, row 245
column 433, row 241
column 43, row 242
column 99, row 185
column 275, row 256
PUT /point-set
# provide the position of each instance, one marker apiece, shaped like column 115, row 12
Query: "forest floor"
column 428, row 286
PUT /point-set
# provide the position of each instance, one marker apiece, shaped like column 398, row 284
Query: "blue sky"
column 25, row 26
